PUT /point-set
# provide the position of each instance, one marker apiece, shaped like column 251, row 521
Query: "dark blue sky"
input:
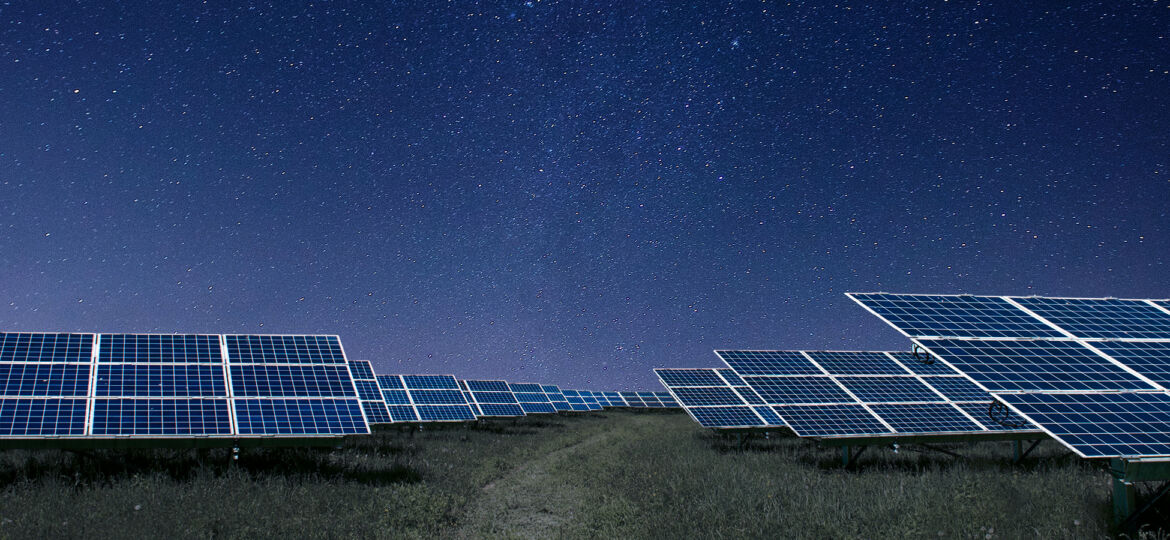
column 571, row 192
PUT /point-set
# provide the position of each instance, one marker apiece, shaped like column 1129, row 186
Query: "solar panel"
column 437, row 398
column 615, row 399
column 1098, row 424
column 667, row 401
column 1003, row 419
column 168, row 417
column 922, row 364
column 292, row 385
column 369, row 391
column 376, row 412
column 44, row 380
column 870, row 393
column 1106, row 318
column 632, row 399
column 768, row 362
column 1149, row 358
column 709, row 398
column 494, row 398
column 1033, row 365
column 532, row 398
column 46, row 347
column 920, row 315
column 556, row 397
column 39, row 417
column 590, row 400
column 362, row 370
column 576, row 401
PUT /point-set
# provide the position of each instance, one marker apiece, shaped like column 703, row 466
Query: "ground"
column 617, row 474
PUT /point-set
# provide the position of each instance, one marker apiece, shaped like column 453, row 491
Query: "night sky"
column 572, row 192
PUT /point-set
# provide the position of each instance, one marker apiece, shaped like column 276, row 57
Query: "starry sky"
column 572, row 192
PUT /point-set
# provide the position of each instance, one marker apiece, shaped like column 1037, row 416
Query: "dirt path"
column 528, row 501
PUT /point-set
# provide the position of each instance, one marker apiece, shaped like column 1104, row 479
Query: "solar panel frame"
column 437, row 398
column 1100, row 318
column 531, row 398
column 729, row 411
column 966, row 316
column 1128, row 425
column 494, row 398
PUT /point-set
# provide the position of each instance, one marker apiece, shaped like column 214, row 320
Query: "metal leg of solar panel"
column 849, row 457
column 1018, row 445
column 1125, row 475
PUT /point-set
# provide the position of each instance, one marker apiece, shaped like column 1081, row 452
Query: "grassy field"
column 616, row 474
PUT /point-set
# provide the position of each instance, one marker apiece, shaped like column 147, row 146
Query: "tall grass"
column 615, row 474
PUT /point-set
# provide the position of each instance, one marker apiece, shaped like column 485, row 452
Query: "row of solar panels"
column 389, row 399
column 1092, row 373
column 152, row 386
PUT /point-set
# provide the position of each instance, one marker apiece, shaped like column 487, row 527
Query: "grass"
column 617, row 474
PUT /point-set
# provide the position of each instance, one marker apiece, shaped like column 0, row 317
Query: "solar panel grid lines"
column 848, row 391
column 493, row 398
column 1151, row 359
column 531, row 398
column 437, row 398
column 376, row 412
column 922, row 315
column 1035, row 365
column 556, row 397
column 362, row 370
column 745, row 362
column 1104, row 318
column 707, row 396
column 1099, row 424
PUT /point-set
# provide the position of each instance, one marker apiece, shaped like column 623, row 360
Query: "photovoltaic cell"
column 160, row 380
column 958, row 389
column 402, row 413
column 768, row 363
column 494, row 398
column 430, row 382
column 256, row 349
column 444, row 413
column 925, row 418
column 160, row 348
column 258, row 380
column 299, row 416
column 954, row 316
column 161, row 417
column 1150, row 358
column 395, row 397
column 830, row 420
column 36, row 417
column 1101, row 425
column 1107, row 318
column 889, row 390
column 1033, row 365
column 709, row 399
column 923, row 364
column 361, row 370
column 47, row 347
column 856, row 363
column 44, row 380
column 799, row 390
column 725, row 417
column 501, row 409
column 689, row 377
column 731, row 377
column 390, row 382
column 376, row 412
column 368, row 390
column 1004, row 419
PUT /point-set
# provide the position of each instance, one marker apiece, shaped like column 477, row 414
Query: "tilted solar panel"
column 1149, row 358
column 921, row 315
column 768, row 363
column 44, row 382
column 708, row 397
column 1033, row 365
column 494, row 398
column 361, row 370
column 437, row 398
column 376, row 412
column 1107, row 318
column 532, row 398
column 1100, row 424
column 856, row 363
column 556, row 397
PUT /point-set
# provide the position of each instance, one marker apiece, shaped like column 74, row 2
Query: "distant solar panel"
column 954, row 316
column 1106, row 318
column 1099, row 424
column 556, row 397
column 768, row 362
column 856, row 363
column 710, row 399
column 590, row 400
column 889, row 390
column 831, row 420
column 437, row 398
column 376, row 412
column 361, row 370
column 632, row 399
column 576, row 401
column 369, row 392
column 532, row 398
column 494, row 398
column 1033, row 365
column 615, row 399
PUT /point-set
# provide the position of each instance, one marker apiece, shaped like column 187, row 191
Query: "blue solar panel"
column 390, row 382
column 1150, row 358
column 299, row 416
column 160, row 380
column 923, row 364
column 34, row 347
column 501, row 409
column 632, row 399
column 726, row 417
column 1107, row 318
column 395, row 397
column 161, row 417
column 768, row 363
column 804, row 390
column 889, row 390
column 830, row 420
column 1100, row 425
column 444, row 413
column 925, row 418
column 689, row 377
column 368, row 390
column 1004, row 419
column 437, row 397
column 856, row 363
column 530, row 397
column 259, row 380
column 35, row 417
column 361, row 370
column 954, row 316
column 494, row 397
column 770, row 417
column 749, row 396
column 488, row 386
column 376, row 412
column 731, row 377
column 252, row 349
column 698, row 397
column 525, row 387
column 957, row 388
column 43, row 379
column 536, row 408
column 430, row 382
column 1036, row 365
column 402, row 413
column 153, row 348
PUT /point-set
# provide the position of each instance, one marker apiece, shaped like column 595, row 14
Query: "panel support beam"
column 1125, row 474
